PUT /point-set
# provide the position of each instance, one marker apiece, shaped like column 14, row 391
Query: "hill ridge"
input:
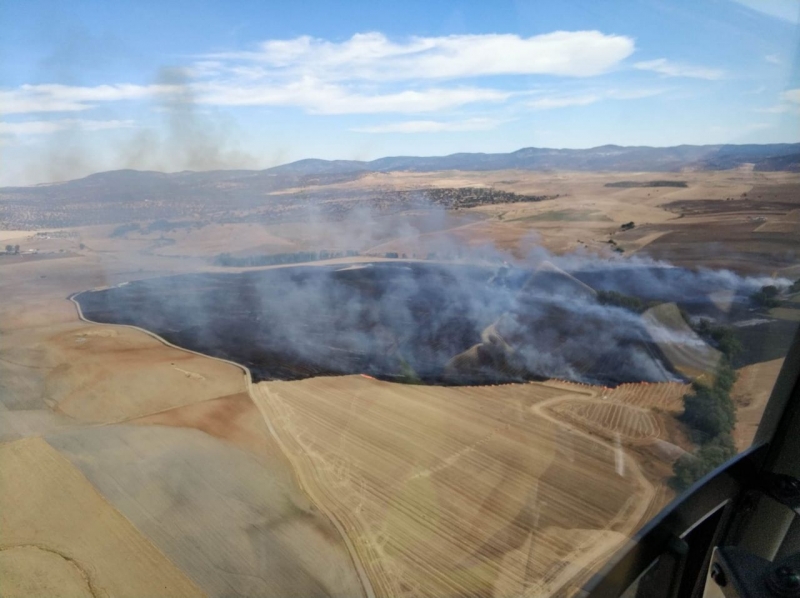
column 609, row 157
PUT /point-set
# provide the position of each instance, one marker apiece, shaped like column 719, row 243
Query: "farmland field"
column 204, row 475
column 81, row 540
column 613, row 419
column 462, row 477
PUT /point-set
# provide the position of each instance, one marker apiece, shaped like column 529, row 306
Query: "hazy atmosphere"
column 259, row 84
column 392, row 300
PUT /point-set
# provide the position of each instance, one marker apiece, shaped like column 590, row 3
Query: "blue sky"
column 89, row 86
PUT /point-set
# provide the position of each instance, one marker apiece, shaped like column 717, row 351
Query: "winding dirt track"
column 633, row 514
column 367, row 445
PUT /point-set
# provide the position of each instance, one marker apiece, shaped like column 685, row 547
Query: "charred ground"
column 407, row 321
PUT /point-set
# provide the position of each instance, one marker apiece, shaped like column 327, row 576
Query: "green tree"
column 709, row 411
column 767, row 296
column 726, row 377
column 723, row 338
column 691, row 467
column 770, row 290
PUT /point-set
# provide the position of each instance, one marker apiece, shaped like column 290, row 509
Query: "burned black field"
column 410, row 321
column 292, row 323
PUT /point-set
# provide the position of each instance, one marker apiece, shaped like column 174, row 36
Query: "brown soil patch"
column 234, row 419
column 734, row 244
column 142, row 374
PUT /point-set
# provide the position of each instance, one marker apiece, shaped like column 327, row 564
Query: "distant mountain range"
column 614, row 158
column 243, row 195
column 610, row 158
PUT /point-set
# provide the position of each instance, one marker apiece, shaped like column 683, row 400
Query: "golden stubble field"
column 127, row 463
column 472, row 490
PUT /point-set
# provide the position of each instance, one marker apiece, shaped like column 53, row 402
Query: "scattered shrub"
column 228, row 260
column 124, row 229
column 628, row 302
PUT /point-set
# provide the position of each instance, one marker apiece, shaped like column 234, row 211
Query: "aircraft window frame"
column 729, row 496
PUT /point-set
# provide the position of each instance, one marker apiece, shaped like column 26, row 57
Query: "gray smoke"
column 485, row 316
column 190, row 138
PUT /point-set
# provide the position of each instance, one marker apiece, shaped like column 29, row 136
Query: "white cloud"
column 741, row 129
column 367, row 73
column 791, row 95
column 776, row 109
column 42, row 127
column 584, row 99
column 564, row 101
column 662, row 66
column 433, row 126
column 67, row 98
column 773, row 58
column 785, row 10
column 789, row 102
column 370, row 74
column 327, row 98
column 309, row 93
column 374, row 57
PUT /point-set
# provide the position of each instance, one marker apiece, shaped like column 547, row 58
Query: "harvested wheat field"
column 60, row 537
column 750, row 394
column 143, row 374
column 235, row 524
column 614, row 420
column 667, row 396
column 437, row 488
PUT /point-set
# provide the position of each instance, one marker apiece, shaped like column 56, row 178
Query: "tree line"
column 296, row 257
column 629, row 302
column 710, row 412
column 769, row 296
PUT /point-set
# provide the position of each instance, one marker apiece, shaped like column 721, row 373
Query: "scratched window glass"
column 383, row 300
